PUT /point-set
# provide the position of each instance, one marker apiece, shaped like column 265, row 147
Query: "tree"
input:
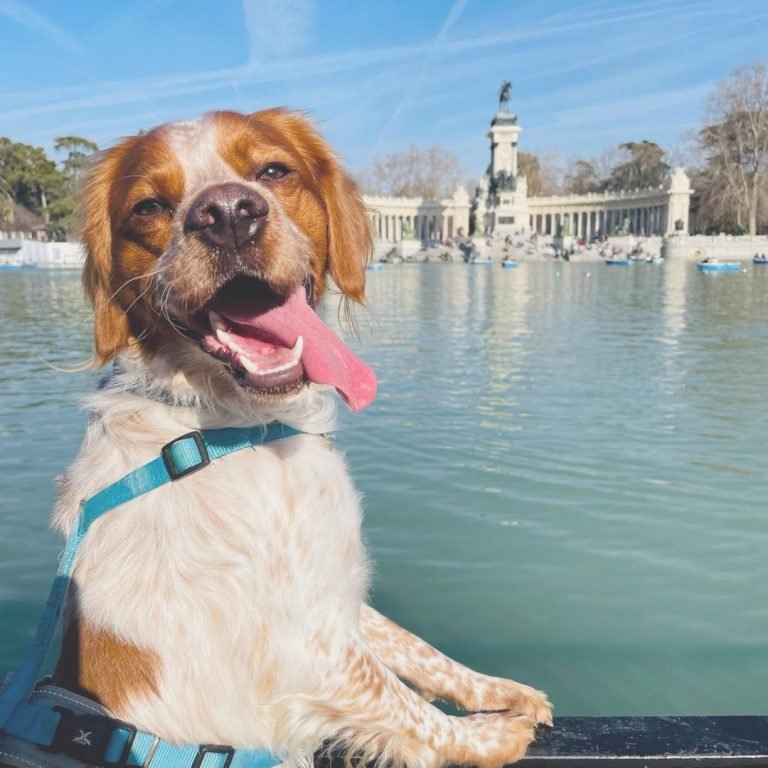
column 431, row 173
column 78, row 149
column 29, row 176
column 541, row 172
column 582, row 178
column 734, row 139
column 31, row 183
column 643, row 168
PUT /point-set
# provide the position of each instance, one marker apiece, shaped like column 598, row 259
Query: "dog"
column 230, row 607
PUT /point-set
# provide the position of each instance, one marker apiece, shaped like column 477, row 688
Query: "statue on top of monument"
column 506, row 89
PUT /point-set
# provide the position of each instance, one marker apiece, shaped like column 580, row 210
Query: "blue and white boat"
column 719, row 266
column 17, row 265
column 620, row 262
column 509, row 264
column 376, row 265
column 759, row 260
column 480, row 262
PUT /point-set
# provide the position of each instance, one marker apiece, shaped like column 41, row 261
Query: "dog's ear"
column 111, row 331
column 350, row 234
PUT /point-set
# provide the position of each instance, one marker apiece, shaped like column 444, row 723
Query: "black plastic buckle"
column 205, row 460
column 217, row 749
column 83, row 737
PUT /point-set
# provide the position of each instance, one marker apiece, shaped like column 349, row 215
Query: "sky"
column 376, row 77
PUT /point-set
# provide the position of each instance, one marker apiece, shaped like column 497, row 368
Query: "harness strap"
column 179, row 458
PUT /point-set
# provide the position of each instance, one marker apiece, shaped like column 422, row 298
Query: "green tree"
column 78, row 150
column 29, row 176
column 32, row 182
column 644, row 167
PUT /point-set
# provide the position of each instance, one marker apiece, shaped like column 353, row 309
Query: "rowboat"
column 509, row 264
column 480, row 262
column 719, row 266
column 620, row 262
column 759, row 260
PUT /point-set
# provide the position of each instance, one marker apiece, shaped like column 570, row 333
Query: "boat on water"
column 509, row 264
column 619, row 262
column 719, row 266
column 375, row 266
column 16, row 265
column 760, row 260
column 480, row 262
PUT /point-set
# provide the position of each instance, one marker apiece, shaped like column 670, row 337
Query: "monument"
column 502, row 209
column 501, row 206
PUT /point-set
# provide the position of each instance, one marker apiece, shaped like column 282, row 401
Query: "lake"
column 564, row 471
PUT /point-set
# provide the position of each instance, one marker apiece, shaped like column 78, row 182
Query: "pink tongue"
column 326, row 360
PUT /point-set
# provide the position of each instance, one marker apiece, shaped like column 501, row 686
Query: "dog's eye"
column 273, row 172
column 151, row 207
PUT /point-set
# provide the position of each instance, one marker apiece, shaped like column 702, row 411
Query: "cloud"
column 277, row 27
column 40, row 25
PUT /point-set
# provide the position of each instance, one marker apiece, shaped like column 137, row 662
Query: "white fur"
column 263, row 542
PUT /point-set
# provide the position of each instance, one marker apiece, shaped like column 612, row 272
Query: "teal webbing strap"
column 179, row 458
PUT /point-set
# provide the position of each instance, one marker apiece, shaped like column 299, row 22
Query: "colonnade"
column 643, row 220
column 390, row 227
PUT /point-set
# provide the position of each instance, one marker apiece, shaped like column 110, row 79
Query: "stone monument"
column 501, row 203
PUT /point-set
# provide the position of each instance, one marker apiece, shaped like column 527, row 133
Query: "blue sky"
column 376, row 76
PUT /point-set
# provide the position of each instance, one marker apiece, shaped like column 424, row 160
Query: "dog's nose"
column 227, row 216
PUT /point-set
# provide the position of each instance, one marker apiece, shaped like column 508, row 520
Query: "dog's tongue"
column 325, row 358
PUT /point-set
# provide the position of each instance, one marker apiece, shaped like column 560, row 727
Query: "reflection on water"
column 564, row 471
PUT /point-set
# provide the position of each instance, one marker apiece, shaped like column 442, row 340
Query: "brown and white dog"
column 230, row 607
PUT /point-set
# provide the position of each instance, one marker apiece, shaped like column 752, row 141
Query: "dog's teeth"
column 249, row 365
column 297, row 349
column 217, row 322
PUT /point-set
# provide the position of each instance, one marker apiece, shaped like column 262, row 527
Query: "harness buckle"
column 170, row 461
column 82, row 737
column 213, row 749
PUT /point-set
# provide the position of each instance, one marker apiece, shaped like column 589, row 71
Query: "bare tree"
column 542, row 172
column 581, row 177
column 430, row 172
column 735, row 139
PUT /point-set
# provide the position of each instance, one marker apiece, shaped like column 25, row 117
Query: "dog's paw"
column 495, row 739
column 497, row 693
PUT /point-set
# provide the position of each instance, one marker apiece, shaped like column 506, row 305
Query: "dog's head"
column 220, row 233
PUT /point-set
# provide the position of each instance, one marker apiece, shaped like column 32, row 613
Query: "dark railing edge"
column 729, row 741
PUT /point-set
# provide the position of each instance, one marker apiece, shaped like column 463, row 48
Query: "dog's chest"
column 265, row 537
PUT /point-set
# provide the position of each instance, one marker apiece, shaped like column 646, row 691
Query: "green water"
column 564, row 471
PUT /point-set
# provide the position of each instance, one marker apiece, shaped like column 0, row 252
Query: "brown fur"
column 98, row 665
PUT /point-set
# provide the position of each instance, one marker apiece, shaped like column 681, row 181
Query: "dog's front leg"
column 374, row 715
column 436, row 676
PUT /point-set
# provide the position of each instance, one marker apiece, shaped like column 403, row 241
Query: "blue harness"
column 99, row 739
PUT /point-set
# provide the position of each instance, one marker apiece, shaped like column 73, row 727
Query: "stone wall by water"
column 697, row 247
